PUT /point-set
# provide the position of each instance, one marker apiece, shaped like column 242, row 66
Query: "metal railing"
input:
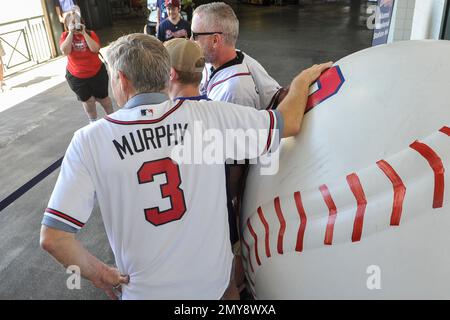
column 25, row 43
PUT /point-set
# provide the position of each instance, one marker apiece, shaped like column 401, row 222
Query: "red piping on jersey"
column 234, row 75
column 438, row 168
column 252, row 232
column 303, row 220
column 332, row 214
column 445, row 130
column 282, row 225
column 146, row 121
column 271, row 126
column 358, row 192
column 399, row 191
column 248, row 250
column 266, row 228
column 65, row 217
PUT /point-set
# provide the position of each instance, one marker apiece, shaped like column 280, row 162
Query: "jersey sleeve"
column 248, row 133
column 267, row 86
column 72, row 199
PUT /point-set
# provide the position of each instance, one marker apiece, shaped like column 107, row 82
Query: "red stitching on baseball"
column 266, row 228
column 445, row 130
column 303, row 220
column 332, row 214
column 357, row 189
column 399, row 191
column 282, row 224
column 252, row 232
column 438, row 168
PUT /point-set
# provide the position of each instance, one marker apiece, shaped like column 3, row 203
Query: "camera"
column 78, row 27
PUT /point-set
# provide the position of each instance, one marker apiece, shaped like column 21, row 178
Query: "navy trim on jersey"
column 271, row 127
column 142, row 99
column 168, row 113
column 65, row 217
column 197, row 98
column 238, row 60
column 280, row 123
column 56, row 224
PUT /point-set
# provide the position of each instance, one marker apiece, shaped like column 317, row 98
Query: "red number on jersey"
column 170, row 189
column 329, row 84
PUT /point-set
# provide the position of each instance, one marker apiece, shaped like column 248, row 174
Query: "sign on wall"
column 382, row 21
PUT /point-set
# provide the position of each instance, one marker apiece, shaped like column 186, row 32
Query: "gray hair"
column 219, row 16
column 143, row 59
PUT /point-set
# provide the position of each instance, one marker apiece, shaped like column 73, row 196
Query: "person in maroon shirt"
column 85, row 74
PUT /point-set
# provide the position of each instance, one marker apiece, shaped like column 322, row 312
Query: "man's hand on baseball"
column 110, row 280
column 310, row 75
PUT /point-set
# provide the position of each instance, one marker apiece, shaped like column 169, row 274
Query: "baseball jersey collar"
column 142, row 99
column 198, row 98
column 237, row 60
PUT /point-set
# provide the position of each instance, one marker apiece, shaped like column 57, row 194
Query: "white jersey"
column 166, row 221
column 246, row 83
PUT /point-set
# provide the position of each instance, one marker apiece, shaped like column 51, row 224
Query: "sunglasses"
column 196, row 34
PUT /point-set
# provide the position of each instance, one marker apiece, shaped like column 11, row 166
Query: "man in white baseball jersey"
column 166, row 220
column 233, row 76
column 230, row 75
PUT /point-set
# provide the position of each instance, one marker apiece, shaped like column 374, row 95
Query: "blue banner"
column 382, row 21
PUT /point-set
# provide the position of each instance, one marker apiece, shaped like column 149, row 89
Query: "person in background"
column 174, row 26
column 161, row 12
column 62, row 7
column 85, row 74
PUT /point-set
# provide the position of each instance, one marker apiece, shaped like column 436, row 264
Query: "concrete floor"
column 36, row 132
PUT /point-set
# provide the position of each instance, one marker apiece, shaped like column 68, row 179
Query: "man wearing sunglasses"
column 230, row 75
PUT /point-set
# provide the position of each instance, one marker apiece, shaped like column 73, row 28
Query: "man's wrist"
column 98, row 276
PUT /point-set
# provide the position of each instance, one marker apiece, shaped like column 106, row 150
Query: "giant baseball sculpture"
column 360, row 206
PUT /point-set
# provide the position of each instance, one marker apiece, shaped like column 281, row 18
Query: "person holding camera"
column 85, row 73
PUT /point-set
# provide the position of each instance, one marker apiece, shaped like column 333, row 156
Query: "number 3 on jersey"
column 170, row 189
